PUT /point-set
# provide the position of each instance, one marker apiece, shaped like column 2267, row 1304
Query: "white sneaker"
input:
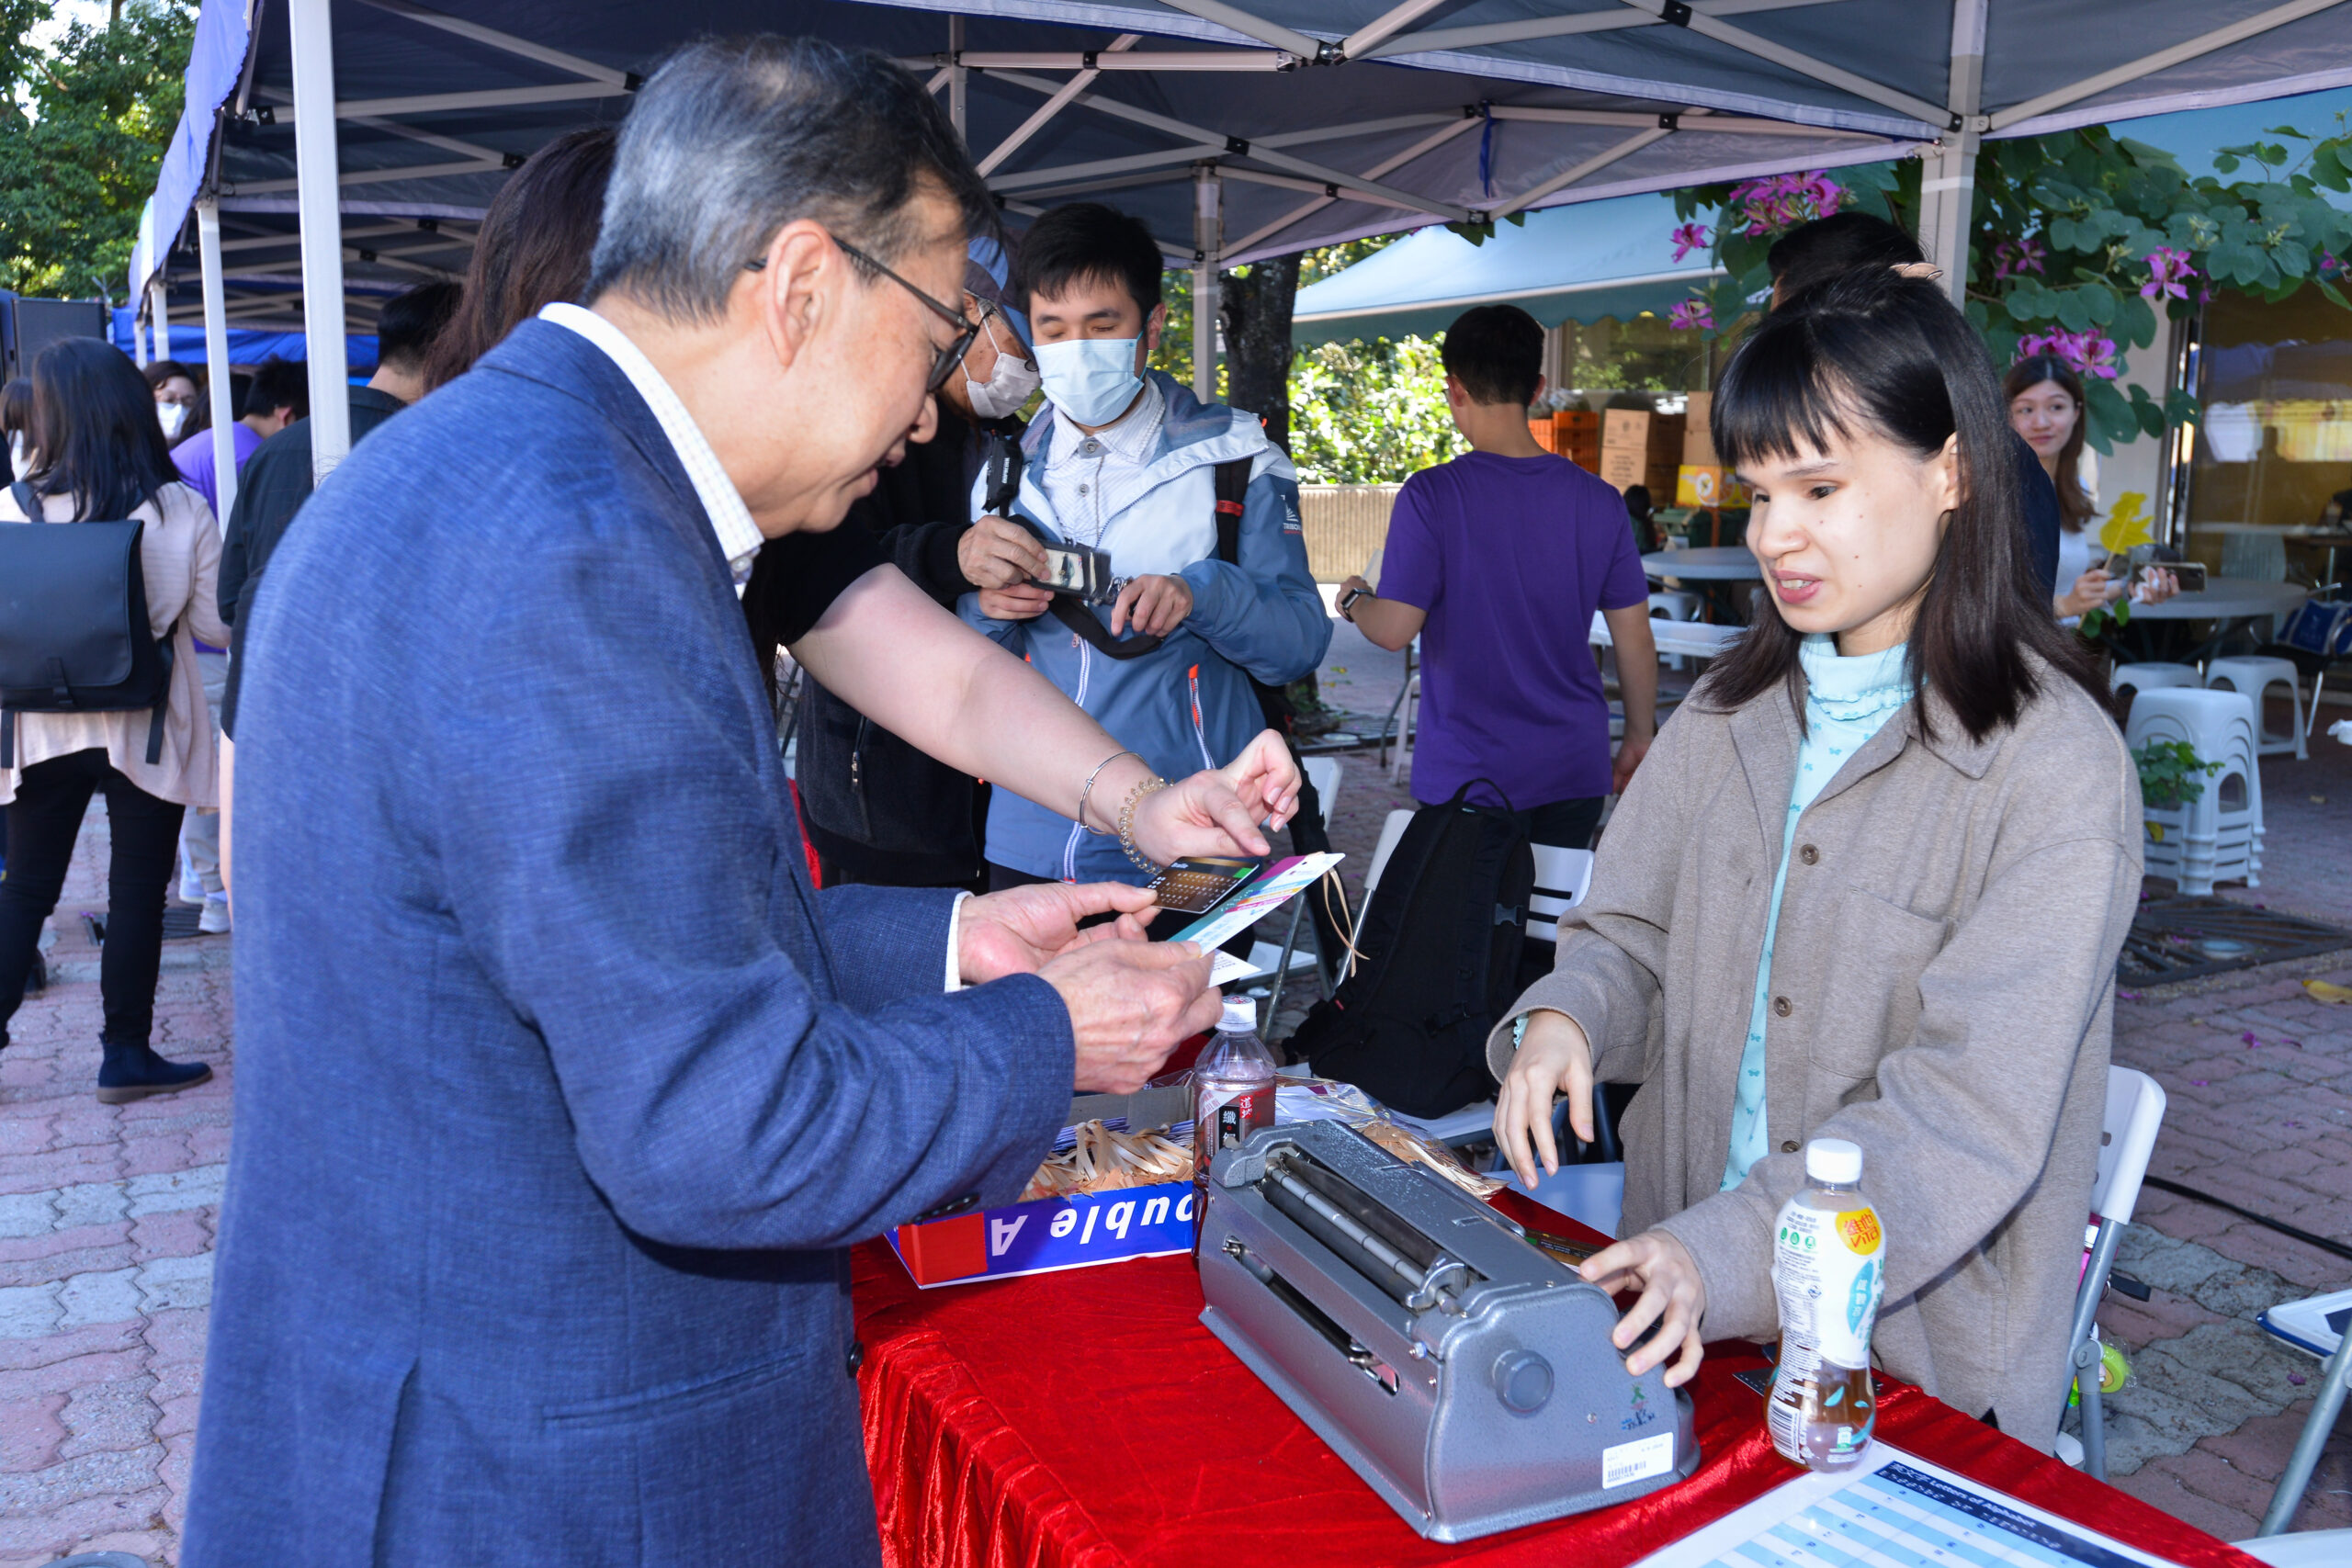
column 191, row 884
column 215, row 918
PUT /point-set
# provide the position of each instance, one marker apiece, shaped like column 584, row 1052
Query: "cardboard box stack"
column 1638, row 448
column 1575, row 435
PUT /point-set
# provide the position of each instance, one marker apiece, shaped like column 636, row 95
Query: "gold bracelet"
column 1127, row 823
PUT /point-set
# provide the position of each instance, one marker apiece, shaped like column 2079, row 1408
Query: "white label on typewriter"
column 1629, row 1463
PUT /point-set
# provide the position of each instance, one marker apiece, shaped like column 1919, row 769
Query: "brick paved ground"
column 107, row 1220
column 108, row 1213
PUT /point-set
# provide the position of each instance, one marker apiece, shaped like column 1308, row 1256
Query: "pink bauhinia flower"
column 1691, row 237
column 2015, row 258
column 2168, row 270
column 1783, row 201
column 1692, row 316
column 2085, row 352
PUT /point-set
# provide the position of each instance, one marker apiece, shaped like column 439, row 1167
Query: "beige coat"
column 179, row 554
column 1942, row 987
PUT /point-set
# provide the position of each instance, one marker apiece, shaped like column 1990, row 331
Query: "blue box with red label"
column 1049, row 1234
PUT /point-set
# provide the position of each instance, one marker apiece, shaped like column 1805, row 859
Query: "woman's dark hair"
column 159, row 371
column 1875, row 353
column 1827, row 248
column 535, row 246
column 17, row 408
column 95, row 430
column 2074, row 506
column 1085, row 242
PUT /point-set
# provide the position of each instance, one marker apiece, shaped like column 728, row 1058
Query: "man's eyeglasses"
column 966, row 328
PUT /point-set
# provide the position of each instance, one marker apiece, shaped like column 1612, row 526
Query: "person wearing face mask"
column 179, row 394
column 1871, row 885
column 1197, row 513
column 877, row 809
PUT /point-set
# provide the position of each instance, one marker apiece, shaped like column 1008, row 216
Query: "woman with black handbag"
column 101, row 456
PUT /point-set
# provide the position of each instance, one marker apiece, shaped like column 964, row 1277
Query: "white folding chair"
column 2318, row 1325
column 2135, row 1109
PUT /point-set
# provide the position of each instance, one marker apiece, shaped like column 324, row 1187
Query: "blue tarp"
column 1599, row 259
column 247, row 345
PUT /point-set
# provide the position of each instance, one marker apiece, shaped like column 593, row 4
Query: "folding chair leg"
column 1281, row 969
column 2087, row 1375
column 2316, row 1430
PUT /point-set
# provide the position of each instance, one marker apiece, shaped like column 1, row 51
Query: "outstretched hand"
column 1020, row 930
column 1218, row 812
column 1674, row 1296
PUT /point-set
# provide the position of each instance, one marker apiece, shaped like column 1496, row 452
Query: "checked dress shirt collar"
column 739, row 537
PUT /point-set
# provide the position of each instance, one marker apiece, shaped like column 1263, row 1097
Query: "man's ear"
column 799, row 289
column 1153, row 325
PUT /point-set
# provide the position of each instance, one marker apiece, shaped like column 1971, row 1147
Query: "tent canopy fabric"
column 1615, row 258
column 1327, row 120
column 1599, row 259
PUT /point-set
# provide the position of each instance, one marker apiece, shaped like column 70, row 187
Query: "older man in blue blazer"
column 560, row 1089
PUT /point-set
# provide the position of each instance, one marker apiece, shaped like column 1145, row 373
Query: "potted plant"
column 2172, row 778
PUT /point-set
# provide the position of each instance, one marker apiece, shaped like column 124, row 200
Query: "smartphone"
column 1198, row 883
column 1079, row 571
column 2190, row 574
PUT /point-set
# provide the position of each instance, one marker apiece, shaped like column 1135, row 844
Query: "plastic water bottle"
column 1233, row 1096
column 1828, row 1267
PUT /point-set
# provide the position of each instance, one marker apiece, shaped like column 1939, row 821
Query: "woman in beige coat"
column 99, row 454
column 1869, row 885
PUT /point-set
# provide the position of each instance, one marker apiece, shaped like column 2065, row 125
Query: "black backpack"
column 74, row 635
column 1437, row 962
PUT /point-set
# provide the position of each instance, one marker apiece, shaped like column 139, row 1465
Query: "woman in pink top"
column 102, row 456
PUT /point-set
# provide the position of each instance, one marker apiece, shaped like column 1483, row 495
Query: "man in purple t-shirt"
column 1498, row 561
column 278, row 394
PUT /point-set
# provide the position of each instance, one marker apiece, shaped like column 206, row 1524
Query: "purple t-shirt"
column 1511, row 556
column 193, row 459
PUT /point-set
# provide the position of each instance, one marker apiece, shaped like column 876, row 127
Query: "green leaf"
column 2073, row 310
column 2135, row 322
column 2225, row 163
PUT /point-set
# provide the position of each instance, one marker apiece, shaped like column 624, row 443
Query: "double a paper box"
column 1048, row 1235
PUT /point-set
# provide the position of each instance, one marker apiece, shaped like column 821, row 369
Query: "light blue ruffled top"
column 1847, row 700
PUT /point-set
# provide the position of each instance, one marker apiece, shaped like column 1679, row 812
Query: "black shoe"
column 134, row 1072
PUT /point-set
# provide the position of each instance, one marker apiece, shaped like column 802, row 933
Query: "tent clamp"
column 1331, row 191
column 430, row 225
column 1327, row 53
column 1238, row 146
column 512, row 159
column 260, row 114
column 1086, row 61
column 1675, row 14
column 365, row 255
column 631, row 80
column 1670, row 121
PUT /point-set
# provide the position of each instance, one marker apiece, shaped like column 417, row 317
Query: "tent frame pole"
column 215, row 361
column 1208, row 233
column 959, row 91
column 1050, row 107
column 319, row 200
column 1948, row 184
column 159, row 319
column 1429, row 143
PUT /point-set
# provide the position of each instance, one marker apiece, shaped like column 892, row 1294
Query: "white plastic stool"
column 1674, row 604
column 2254, row 677
column 2155, row 673
column 2218, row 836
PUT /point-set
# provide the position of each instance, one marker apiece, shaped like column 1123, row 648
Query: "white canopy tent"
column 1235, row 130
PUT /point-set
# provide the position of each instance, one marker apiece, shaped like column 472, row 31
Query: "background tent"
column 1599, row 259
column 247, row 345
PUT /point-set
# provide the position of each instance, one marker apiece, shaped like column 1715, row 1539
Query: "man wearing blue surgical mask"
column 877, row 811
column 1190, row 516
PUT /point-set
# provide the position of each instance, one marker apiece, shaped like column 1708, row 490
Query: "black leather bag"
column 74, row 635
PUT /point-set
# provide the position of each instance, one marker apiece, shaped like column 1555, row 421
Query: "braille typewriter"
column 1466, row 1376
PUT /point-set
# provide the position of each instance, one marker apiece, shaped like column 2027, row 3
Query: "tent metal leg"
column 1208, row 236
column 319, row 200
column 215, row 361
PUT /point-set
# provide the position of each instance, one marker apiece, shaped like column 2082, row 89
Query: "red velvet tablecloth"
column 1086, row 1419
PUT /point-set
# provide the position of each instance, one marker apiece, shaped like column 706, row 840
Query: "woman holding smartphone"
column 2046, row 399
column 1871, row 886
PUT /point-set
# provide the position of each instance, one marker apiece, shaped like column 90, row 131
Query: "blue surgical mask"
column 1093, row 379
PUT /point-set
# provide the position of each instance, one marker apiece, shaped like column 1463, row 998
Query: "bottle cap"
column 1241, row 1013
column 1834, row 1159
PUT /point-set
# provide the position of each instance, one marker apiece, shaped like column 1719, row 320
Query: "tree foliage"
column 2081, row 239
column 83, row 127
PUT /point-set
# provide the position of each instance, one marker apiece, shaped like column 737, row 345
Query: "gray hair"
column 733, row 139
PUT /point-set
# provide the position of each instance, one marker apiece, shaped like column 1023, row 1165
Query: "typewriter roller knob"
column 1523, row 1381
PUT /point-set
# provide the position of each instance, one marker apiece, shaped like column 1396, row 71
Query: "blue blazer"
column 559, row 1091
